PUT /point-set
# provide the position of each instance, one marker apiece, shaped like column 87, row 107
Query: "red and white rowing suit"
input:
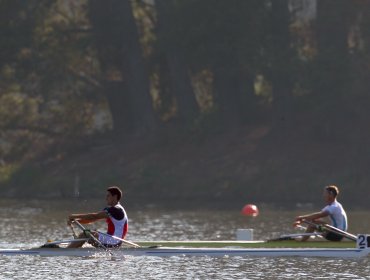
column 117, row 225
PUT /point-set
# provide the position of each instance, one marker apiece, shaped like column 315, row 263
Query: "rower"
column 115, row 216
column 334, row 210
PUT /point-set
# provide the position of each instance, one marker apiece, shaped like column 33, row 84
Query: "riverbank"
column 247, row 165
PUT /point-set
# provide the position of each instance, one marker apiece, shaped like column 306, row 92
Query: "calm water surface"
column 24, row 225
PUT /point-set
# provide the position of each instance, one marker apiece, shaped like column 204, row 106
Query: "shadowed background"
column 202, row 101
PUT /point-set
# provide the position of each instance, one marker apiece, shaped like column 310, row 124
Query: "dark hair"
column 332, row 189
column 115, row 191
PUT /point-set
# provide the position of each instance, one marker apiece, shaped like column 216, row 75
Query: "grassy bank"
column 236, row 167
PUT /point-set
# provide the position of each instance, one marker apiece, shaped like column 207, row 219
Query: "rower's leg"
column 310, row 229
column 93, row 242
column 77, row 244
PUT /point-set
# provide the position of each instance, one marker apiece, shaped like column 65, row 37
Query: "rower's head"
column 330, row 193
column 114, row 195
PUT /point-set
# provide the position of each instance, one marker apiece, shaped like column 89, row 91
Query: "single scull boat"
column 279, row 247
column 216, row 249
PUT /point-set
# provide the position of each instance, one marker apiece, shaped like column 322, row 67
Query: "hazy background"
column 201, row 101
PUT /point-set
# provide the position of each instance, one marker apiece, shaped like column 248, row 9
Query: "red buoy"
column 250, row 210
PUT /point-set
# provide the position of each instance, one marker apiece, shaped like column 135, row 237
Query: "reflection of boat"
column 216, row 248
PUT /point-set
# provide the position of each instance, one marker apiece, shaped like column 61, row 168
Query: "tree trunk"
column 117, row 96
column 187, row 107
column 281, row 72
column 145, row 118
column 123, row 69
column 227, row 92
column 102, row 16
column 333, row 79
column 332, row 37
column 180, row 82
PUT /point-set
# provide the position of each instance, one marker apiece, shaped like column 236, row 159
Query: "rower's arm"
column 88, row 217
column 313, row 216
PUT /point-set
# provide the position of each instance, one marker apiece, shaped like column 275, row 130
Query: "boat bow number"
column 363, row 241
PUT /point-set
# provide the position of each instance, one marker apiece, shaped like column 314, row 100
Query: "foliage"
column 64, row 62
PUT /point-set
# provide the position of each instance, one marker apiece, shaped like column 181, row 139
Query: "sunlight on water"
column 31, row 225
column 104, row 267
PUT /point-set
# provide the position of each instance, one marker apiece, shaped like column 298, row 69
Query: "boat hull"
column 212, row 252
column 249, row 244
column 214, row 249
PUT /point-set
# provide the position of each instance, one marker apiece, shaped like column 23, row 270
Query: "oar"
column 89, row 234
column 122, row 240
column 115, row 237
column 330, row 228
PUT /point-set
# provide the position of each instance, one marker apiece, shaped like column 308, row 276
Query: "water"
column 30, row 224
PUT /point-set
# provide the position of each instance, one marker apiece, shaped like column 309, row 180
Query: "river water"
column 31, row 223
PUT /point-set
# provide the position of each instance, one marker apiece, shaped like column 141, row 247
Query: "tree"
column 221, row 36
column 125, row 77
column 332, row 81
column 281, row 64
column 178, row 71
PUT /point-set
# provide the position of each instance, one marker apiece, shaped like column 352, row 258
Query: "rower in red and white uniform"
column 117, row 225
column 115, row 216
